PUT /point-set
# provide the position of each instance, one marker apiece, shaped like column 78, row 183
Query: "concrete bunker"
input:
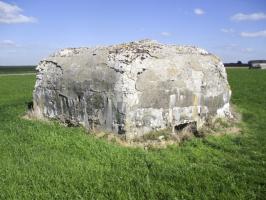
column 132, row 88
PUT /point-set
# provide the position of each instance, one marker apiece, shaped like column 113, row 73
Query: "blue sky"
column 32, row 29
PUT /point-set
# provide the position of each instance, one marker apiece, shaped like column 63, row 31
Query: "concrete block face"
column 132, row 88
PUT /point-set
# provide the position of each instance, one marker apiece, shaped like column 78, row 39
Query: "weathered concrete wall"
column 132, row 88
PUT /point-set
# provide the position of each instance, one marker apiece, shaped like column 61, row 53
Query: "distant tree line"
column 18, row 66
column 237, row 64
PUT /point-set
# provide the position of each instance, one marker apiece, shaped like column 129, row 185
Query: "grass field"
column 41, row 160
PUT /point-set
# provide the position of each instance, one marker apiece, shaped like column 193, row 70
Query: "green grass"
column 41, row 160
column 17, row 69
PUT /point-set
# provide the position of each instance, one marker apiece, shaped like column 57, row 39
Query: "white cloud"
column 199, row 11
column 11, row 14
column 236, row 48
column 166, row 34
column 230, row 46
column 254, row 34
column 247, row 50
column 230, row 30
column 7, row 43
column 249, row 17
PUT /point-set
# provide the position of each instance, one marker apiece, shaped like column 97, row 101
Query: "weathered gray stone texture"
column 132, row 88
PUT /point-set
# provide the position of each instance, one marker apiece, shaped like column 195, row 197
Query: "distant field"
column 32, row 69
column 40, row 160
column 17, row 69
column 236, row 67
